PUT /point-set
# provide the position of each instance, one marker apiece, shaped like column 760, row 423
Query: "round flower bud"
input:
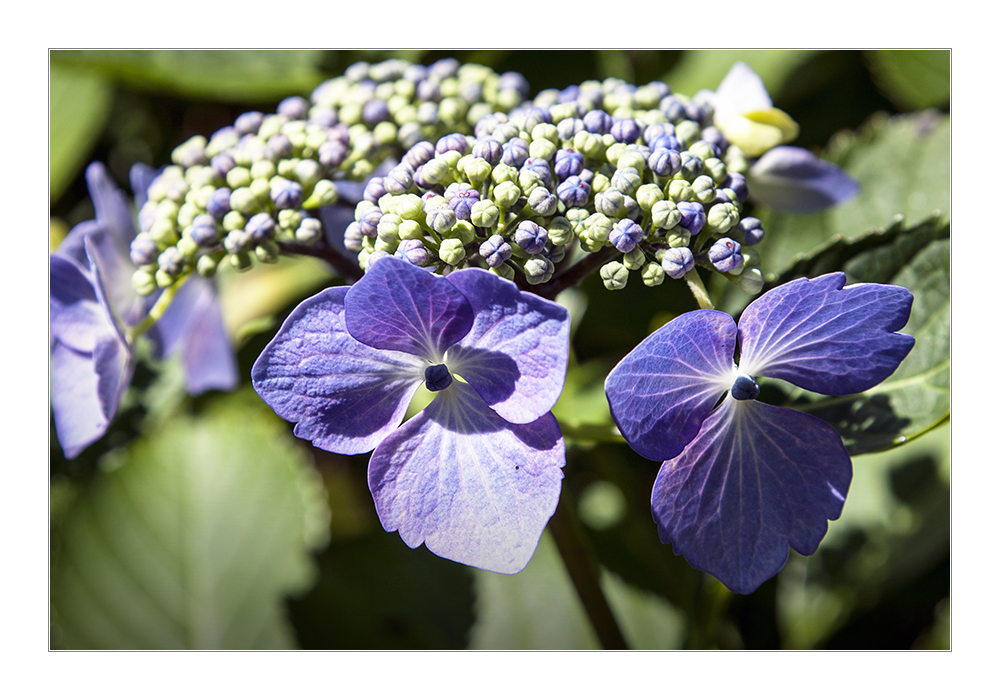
column 489, row 149
column 626, row 180
column 233, row 220
column 204, row 231
column 738, row 184
column 704, row 189
column 286, row 194
column 441, row 218
column 751, row 229
column 237, row 241
column 692, row 216
column 723, row 217
column 243, row 200
column 531, row 237
column 538, row 270
column 648, row 195
column 614, row 275
column 143, row 250
column 221, row 164
column 573, row 192
column 634, row 259
column 462, row 203
column 679, row 237
column 206, row 266
column 171, row 261
column 388, row 227
column 597, row 121
column 476, row 169
column 751, row 281
column 691, row 166
column 664, row 162
column 626, row 235
column 353, row 240
column 452, row 251
column 331, row 154
column 542, row 202
column 398, row 181
column 413, row 252
column 560, row 231
column 238, row 177
column 267, row 252
column 289, row 219
column 625, row 130
column 410, row 230
column 191, row 152
column 568, row 163
column 725, row 255
column 677, row 262
column 495, row 251
column 485, row 214
column 323, row 195
column 653, row 275
column 610, row 202
column 515, row 152
column 143, row 282
column 369, row 221
column 506, row 194
column 665, row 215
column 260, row 227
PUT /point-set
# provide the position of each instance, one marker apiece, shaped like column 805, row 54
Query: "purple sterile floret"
column 743, row 481
column 476, row 475
column 796, row 180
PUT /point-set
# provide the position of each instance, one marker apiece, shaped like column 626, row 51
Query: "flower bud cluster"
column 235, row 197
column 650, row 179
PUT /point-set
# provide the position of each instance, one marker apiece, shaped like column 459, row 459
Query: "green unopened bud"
column 323, row 195
column 577, row 218
column 614, row 152
column 233, row 221
column 751, row 281
column 653, row 275
column 187, row 247
column 163, row 232
column 409, row 206
column 560, row 231
column 240, row 261
column 704, row 189
column 600, row 182
column 308, row 172
column 267, row 252
column 144, row 282
column 388, row 227
column 238, row 177
column 476, row 169
column 598, row 227
column 436, row 172
column 164, row 279
column 207, row 265
column 310, row 231
column 261, row 169
column 538, row 270
column 702, row 149
column 590, row 145
column 635, row 259
column 452, row 251
column 632, row 159
column 614, row 275
column 545, row 131
column 261, row 190
column 626, row 180
column 286, row 168
column 186, row 214
column 191, row 152
column 678, row 237
column 717, row 170
column 385, row 133
column 688, row 131
column 680, row 191
column 271, row 125
column 505, row 271
column 648, row 195
column 542, row 148
column 243, row 200
column 611, row 202
column 410, row 230
column 504, row 173
column 463, row 231
column 167, row 210
column 506, row 194
column 722, row 217
column 664, row 214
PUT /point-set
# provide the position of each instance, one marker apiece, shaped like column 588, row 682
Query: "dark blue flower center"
column 744, row 388
column 437, row 377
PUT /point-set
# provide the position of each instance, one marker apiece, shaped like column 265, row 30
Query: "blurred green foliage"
column 193, row 522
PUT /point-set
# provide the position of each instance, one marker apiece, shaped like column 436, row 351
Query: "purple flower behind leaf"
column 475, row 475
column 743, row 481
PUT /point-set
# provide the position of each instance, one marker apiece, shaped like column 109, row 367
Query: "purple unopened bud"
column 655, row 131
column 171, row 261
column 539, row 166
column 287, row 195
column 725, row 254
column 514, row 81
column 626, row 130
column 626, row 235
column 444, row 68
column 573, row 192
column 332, row 154
column 693, row 216
column 294, row 107
column 452, row 142
column 531, row 237
column 399, row 180
column 248, row 122
column 677, row 262
column 413, row 251
column 515, row 152
column 738, row 184
column 278, row 147
column 752, row 230
column 532, row 116
column 597, row 121
column 218, row 203
column 322, row 115
column 715, row 137
column 260, row 227
column 143, row 251
column 375, row 111
column 668, row 141
column 462, row 203
column 429, row 91
column 489, row 149
column 664, row 162
column 698, row 112
column 672, row 107
column 419, row 154
column 369, row 221
column 221, row 164
column 374, row 190
column 204, row 230
column 495, row 250
column 568, row 163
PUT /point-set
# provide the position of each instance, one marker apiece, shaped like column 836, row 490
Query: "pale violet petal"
column 741, row 91
column 516, row 353
column 795, row 180
column 756, row 480
column 76, row 407
column 344, row 396
column 472, row 487
column 661, row 392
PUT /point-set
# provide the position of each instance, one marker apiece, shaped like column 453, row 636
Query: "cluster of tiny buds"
column 237, row 196
column 652, row 179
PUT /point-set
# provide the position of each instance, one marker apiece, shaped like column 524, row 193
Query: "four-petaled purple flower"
column 476, row 475
column 743, row 480
column 93, row 307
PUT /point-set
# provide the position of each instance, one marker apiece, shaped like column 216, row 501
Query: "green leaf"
column 917, row 397
column 704, row 70
column 193, row 540
column 79, row 102
column 913, row 79
column 233, row 76
column 903, row 167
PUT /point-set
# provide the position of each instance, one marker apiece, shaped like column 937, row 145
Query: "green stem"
column 697, row 288
column 159, row 308
column 585, row 574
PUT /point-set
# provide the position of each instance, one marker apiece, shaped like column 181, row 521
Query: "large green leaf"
column 78, row 105
column 214, row 75
column 903, row 167
column 193, row 540
column 917, row 396
column 913, row 79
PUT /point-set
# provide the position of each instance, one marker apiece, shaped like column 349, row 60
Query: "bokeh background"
column 203, row 523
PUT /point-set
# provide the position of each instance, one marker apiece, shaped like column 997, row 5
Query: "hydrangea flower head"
column 476, row 475
column 786, row 178
column 741, row 480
